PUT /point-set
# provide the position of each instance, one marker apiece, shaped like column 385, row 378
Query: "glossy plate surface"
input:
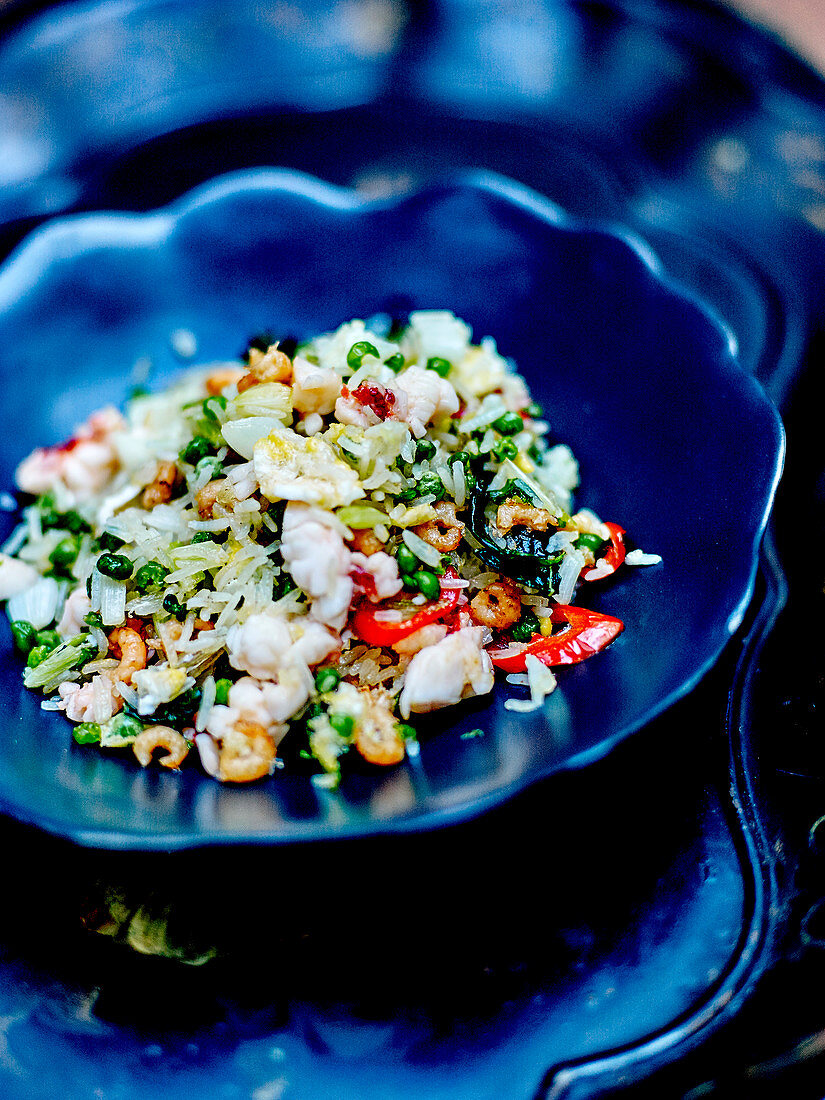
column 675, row 442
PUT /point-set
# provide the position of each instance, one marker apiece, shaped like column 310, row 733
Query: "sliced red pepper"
column 376, row 632
column 615, row 555
column 587, row 633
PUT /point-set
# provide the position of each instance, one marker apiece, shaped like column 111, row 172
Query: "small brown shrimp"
column 365, row 541
column 269, row 366
column 161, row 489
column 445, row 531
column 246, row 754
column 160, row 737
column 498, row 605
column 376, row 731
column 128, row 645
column 211, row 494
column 220, row 379
column 517, row 513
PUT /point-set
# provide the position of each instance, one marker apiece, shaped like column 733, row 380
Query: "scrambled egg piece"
column 291, row 467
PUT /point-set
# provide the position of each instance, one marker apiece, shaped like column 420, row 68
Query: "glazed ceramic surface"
column 675, row 442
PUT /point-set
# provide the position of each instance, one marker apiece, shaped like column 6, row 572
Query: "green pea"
column 442, row 367
column 534, row 410
column 49, row 638
column 431, row 484
column 343, row 724
column 406, row 733
column 327, row 679
column 174, row 607
column 526, row 627
column 87, row 733
column 407, row 561
column 195, row 450
column 459, row 456
column 110, row 542
column 65, row 553
column 508, row 423
column 407, row 495
column 150, row 575
column 587, row 541
column 37, row 656
column 127, row 726
column 222, row 687
column 24, row 635
column 395, row 362
column 117, row 566
column 358, row 351
column 424, row 449
column 428, row 584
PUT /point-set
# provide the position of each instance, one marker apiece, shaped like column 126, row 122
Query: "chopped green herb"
column 94, row 618
column 526, row 627
column 471, row 733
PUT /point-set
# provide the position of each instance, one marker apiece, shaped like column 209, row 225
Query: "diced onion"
column 422, row 550
column 112, row 600
column 37, row 605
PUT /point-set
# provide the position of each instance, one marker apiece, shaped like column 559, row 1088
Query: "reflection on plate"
column 674, row 440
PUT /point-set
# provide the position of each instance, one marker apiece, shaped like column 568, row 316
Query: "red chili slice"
column 376, row 632
column 587, row 633
column 616, row 554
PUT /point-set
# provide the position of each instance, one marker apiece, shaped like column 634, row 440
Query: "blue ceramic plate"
column 675, row 441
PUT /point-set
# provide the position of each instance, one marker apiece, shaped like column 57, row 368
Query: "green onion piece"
column 37, row 656
column 442, row 367
column 359, row 351
column 86, row 733
column 407, row 561
column 587, row 541
column 327, row 679
column 359, row 516
column 395, row 362
column 49, row 638
column 407, row 495
column 428, row 584
column 116, row 566
column 343, row 724
column 151, row 575
column 508, row 423
column 66, row 551
column 24, row 636
column 94, row 618
column 222, row 687
column 526, row 627
column 209, row 407
column 195, row 450
column 211, row 463
column 505, row 448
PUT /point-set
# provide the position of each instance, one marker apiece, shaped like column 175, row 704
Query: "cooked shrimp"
column 365, row 541
column 132, row 651
column 76, row 608
column 377, row 575
column 444, row 673
column 314, row 388
column 219, row 491
column 160, row 737
column 517, row 513
column 376, row 731
column 95, row 701
column 445, row 531
column 83, row 464
column 161, row 489
column 266, row 366
column 247, row 753
column 498, row 605
column 315, row 554
column 217, row 382
column 428, row 396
